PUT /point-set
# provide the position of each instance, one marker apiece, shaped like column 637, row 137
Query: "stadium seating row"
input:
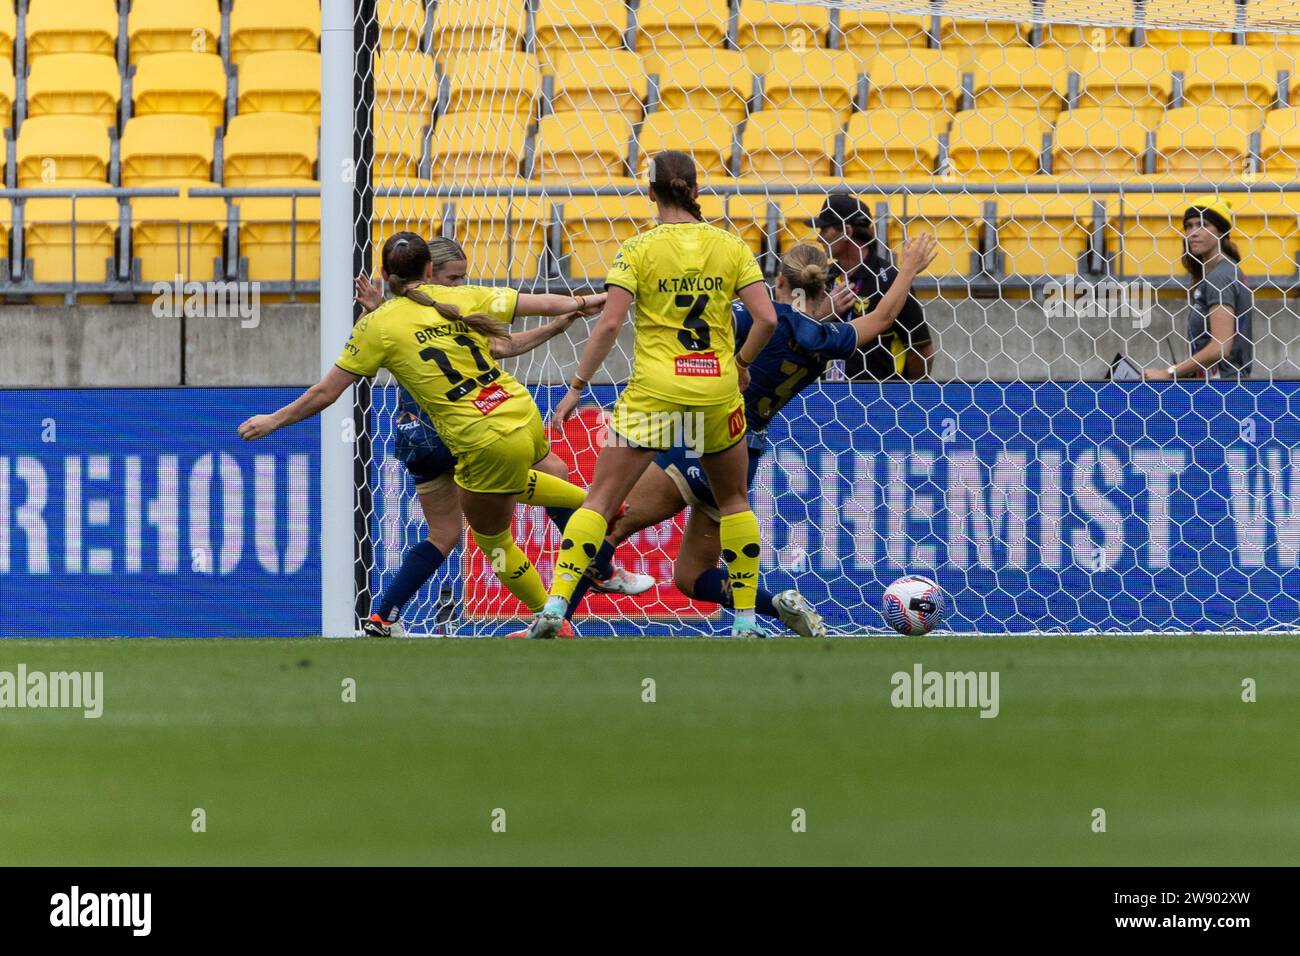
column 278, row 239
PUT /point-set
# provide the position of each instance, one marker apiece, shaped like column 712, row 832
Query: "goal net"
column 997, row 443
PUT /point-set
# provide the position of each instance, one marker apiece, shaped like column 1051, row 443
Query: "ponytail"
column 673, row 177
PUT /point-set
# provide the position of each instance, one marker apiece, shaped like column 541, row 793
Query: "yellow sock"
column 548, row 491
column 740, row 549
column 581, row 541
column 513, row 568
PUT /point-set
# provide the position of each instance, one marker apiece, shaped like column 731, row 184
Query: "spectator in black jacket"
column 904, row 350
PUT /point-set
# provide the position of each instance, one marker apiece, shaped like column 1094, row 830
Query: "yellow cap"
column 1213, row 209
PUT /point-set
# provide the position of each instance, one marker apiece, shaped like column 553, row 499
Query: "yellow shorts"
column 502, row 467
column 648, row 422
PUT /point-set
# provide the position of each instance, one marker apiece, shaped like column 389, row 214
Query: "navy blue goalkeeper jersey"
column 414, row 436
column 795, row 357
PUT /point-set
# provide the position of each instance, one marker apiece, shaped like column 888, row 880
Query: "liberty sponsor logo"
column 699, row 365
column 77, row 909
column 490, row 398
column 947, row 689
column 55, row 690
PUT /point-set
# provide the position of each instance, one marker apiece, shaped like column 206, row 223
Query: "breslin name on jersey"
column 691, row 284
column 699, row 365
column 490, row 398
column 430, row 333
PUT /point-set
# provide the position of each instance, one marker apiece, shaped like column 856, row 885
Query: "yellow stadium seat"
column 415, row 212
column 166, row 148
column 1024, row 78
column 280, row 235
column 178, row 236
column 914, row 80
column 1099, row 143
column 190, row 83
column 8, row 33
column 401, row 24
column 55, row 149
column 980, row 40
column 667, row 26
column 582, row 144
column 892, row 145
column 719, row 82
column 563, row 25
column 818, row 80
column 610, row 80
column 281, row 81
column 766, row 29
column 708, row 137
column 257, row 26
column 1179, row 27
column 954, row 220
column 1205, row 141
column 867, row 33
column 398, row 148
column 504, row 236
column 260, row 148
column 49, row 235
column 82, row 84
column 406, row 83
column 71, row 26
column 1237, row 76
column 1267, row 230
column 1262, row 25
column 475, row 146
column 747, row 216
column 593, row 227
column 1145, row 232
column 1043, row 233
column 1280, row 143
column 1137, row 79
column 505, row 83
column 461, row 25
column 788, row 144
column 995, row 144
column 7, row 93
column 173, row 26
column 1082, row 39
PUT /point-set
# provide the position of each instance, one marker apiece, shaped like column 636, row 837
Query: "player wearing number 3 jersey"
column 685, row 385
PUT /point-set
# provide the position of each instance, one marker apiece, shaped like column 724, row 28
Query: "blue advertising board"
column 139, row 512
column 1038, row 507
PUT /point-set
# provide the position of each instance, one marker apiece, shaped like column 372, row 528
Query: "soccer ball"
column 913, row 605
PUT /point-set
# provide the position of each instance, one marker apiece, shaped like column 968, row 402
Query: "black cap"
column 841, row 211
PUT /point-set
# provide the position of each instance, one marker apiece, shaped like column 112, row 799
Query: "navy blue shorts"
column 688, row 475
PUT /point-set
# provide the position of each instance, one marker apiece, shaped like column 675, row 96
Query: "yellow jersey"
column 446, row 366
column 684, row 277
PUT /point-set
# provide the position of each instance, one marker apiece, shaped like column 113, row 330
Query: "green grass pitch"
column 556, row 734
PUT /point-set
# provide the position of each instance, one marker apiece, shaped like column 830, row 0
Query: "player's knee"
column 684, row 578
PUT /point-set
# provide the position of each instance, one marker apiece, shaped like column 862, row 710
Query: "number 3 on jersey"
column 695, row 335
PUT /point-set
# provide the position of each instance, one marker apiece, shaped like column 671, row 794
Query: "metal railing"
column 122, row 277
column 987, row 274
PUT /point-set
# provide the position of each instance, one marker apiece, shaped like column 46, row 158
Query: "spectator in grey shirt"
column 1222, row 308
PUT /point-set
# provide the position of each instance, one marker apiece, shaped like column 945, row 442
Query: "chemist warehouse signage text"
column 141, row 512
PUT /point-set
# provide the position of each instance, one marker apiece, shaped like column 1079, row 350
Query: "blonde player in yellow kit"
column 685, row 385
column 436, row 341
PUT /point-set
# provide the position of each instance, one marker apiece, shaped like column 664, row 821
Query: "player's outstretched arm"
column 917, row 254
column 550, row 304
column 594, row 353
column 755, row 298
column 521, row 342
column 311, row 402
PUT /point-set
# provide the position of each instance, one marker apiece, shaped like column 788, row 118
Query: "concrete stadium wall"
column 977, row 339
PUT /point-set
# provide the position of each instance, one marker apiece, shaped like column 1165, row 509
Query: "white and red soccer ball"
column 913, row 605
